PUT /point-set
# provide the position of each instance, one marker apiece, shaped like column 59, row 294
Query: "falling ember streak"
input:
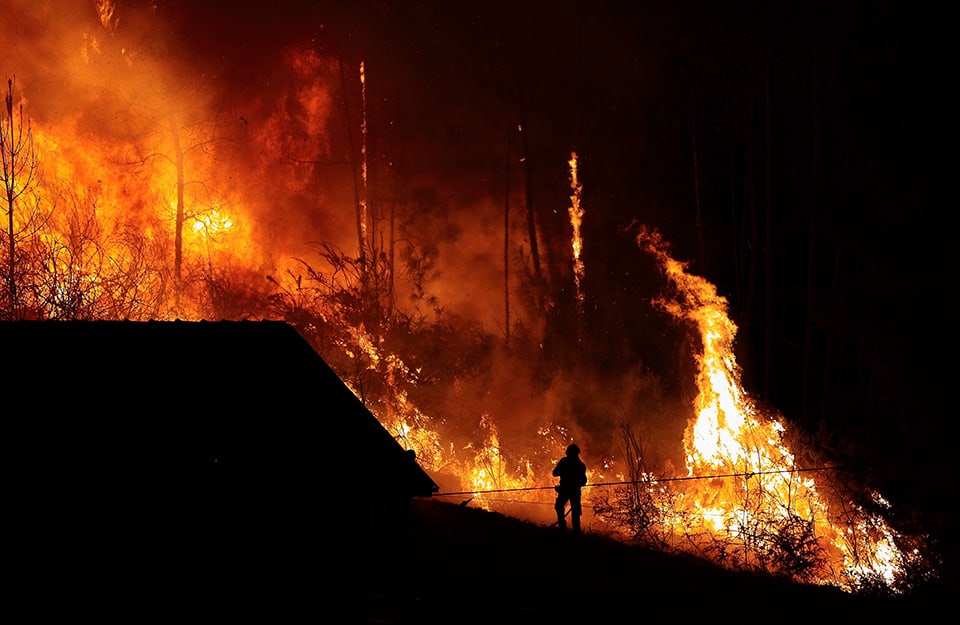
column 576, row 219
column 759, row 511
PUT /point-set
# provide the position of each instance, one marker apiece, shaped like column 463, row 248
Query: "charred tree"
column 749, row 268
column 357, row 166
column 188, row 136
column 808, row 328
column 506, row 245
column 768, row 224
column 21, row 177
column 531, row 214
column 697, row 195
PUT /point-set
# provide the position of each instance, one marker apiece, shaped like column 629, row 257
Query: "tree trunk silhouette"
column 747, row 238
column 178, row 226
column 808, row 326
column 365, row 245
column 358, row 203
column 752, row 218
column 10, row 195
column 768, row 224
column 392, row 259
column 531, row 214
column 506, row 244
column 826, row 399
column 695, row 150
column 21, row 174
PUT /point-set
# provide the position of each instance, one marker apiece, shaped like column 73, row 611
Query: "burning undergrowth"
column 490, row 421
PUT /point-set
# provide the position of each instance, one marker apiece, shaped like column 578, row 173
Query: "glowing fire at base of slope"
column 760, row 510
column 745, row 501
column 486, row 468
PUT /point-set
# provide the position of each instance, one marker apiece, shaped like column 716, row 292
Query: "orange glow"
column 761, row 493
column 364, row 216
column 576, row 220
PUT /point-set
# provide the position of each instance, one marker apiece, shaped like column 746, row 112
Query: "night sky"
column 823, row 134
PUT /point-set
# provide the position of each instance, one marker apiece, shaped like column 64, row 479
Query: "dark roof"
column 163, row 400
column 201, row 466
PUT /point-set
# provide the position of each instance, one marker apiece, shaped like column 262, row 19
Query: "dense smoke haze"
column 793, row 154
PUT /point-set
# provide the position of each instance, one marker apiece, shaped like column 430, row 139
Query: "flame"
column 576, row 219
column 364, row 216
column 213, row 222
column 760, row 500
column 108, row 207
column 107, row 12
column 482, row 467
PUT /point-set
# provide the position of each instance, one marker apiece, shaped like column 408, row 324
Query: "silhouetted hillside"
column 464, row 565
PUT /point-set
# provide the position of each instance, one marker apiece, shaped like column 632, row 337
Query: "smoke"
column 263, row 101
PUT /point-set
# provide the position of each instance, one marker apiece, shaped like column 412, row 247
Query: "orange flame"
column 576, row 220
column 758, row 501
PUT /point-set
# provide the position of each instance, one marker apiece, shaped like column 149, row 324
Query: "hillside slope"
column 465, row 565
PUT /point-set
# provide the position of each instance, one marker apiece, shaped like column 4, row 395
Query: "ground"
column 464, row 565
column 441, row 563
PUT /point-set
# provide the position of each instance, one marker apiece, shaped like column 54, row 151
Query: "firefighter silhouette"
column 573, row 476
